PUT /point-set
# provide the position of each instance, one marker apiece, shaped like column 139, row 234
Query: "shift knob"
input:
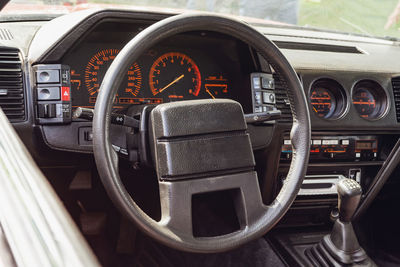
column 349, row 194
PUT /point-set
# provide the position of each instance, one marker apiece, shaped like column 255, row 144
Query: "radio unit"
column 345, row 148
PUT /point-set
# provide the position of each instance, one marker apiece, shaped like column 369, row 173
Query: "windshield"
column 366, row 17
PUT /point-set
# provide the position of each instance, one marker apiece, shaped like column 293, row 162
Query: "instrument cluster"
column 192, row 66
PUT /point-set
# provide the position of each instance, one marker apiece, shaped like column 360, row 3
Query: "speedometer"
column 176, row 76
column 97, row 67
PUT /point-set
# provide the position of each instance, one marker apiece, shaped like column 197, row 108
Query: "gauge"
column 369, row 99
column 176, row 76
column 323, row 101
column 134, row 80
column 97, row 67
column 216, row 86
column 327, row 98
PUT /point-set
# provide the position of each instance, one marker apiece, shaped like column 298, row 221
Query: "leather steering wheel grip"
column 107, row 160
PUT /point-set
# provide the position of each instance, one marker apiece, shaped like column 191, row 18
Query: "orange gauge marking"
column 322, row 101
column 176, row 73
column 97, row 67
column 216, row 86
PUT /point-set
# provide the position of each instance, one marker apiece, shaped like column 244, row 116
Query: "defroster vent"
column 12, row 100
column 396, row 94
column 282, row 100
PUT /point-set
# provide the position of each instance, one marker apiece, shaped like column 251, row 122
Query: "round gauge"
column 97, row 67
column 369, row 99
column 175, row 75
column 327, row 99
column 323, row 102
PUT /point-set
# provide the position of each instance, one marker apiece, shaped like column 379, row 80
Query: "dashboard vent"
column 319, row 47
column 282, row 100
column 396, row 93
column 11, row 85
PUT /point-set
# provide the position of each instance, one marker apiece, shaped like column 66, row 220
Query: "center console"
column 333, row 156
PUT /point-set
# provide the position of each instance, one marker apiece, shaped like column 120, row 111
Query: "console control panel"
column 340, row 148
column 262, row 87
column 53, row 93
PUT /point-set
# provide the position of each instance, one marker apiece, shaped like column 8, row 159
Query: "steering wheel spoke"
column 176, row 200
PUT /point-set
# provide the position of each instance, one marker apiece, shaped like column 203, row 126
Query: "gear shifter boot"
column 341, row 247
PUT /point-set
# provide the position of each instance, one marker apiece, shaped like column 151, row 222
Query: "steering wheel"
column 175, row 227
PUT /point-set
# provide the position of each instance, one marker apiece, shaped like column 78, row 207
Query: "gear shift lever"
column 349, row 194
column 342, row 245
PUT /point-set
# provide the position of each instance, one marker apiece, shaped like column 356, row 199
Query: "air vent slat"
column 12, row 100
column 281, row 100
column 396, row 93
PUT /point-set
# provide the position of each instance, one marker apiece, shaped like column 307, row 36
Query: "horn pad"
column 199, row 138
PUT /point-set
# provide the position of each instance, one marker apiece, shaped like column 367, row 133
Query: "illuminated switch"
column 345, row 142
column 65, row 93
column 358, row 155
column 287, row 142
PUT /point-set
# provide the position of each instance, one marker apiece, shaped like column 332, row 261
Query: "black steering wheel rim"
column 107, row 159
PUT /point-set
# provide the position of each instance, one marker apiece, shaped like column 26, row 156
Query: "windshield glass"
column 366, row 17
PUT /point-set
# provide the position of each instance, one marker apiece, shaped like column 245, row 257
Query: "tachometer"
column 175, row 75
column 97, row 67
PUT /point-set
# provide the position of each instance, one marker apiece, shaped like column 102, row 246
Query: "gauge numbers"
column 175, row 75
column 328, row 99
column 97, row 67
column 323, row 102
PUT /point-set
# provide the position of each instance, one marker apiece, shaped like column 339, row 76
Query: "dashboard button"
column 345, row 142
column 47, row 110
column 257, row 98
column 256, row 82
column 257, row 109
column 48, row 93
column 65, row 93
column 267, row 83
column 330, row 142
column 317, row 142
column 268, row 98
column 48, row 76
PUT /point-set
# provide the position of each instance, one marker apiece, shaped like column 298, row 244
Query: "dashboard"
column 351, row 83
column 196, row 65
